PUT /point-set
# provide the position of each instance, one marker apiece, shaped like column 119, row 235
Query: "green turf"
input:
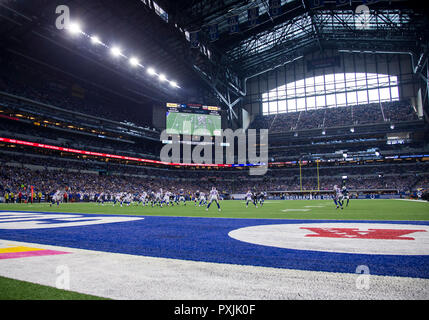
column 357, row 210
column 11, row 289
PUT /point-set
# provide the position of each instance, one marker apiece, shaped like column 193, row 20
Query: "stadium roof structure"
column 296, row 28
column 228, row 49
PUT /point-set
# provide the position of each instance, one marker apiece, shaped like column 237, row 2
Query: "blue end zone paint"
column 206, row 239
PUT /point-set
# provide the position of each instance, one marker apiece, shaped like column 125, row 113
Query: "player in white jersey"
column 250, row 198
column 56, row 198
column 214, row 196
column 128, row 199
column 143, row 198
column 158, row 197
column 116, row 198
column 151, row 198
column 202, row 199
column 338, row 197
column 166, row 198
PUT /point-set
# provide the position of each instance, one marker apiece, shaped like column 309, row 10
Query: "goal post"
column 316, row 188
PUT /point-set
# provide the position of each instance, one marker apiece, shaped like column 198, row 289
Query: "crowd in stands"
column 337, row 117
column 391, row 112
column 61, row 138
column 84, row 179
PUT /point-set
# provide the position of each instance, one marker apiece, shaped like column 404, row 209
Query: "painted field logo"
column 40, row 220
column 355, row 233
column 344, row 237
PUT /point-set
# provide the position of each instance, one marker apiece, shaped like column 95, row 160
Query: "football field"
column 272, row 209
column 289, row 249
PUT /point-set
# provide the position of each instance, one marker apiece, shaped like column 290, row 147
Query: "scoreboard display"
column 193, row 119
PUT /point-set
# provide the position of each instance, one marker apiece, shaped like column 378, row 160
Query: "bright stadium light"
column 116, row 52
column 74, row 28
column 134, row 61
column 95, row 40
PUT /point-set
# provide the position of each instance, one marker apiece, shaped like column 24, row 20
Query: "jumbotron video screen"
column 193, row 119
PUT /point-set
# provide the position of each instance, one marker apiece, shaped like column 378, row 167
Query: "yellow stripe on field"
column 18, row 249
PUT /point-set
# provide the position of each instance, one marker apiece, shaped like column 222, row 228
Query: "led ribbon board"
column 113, row 156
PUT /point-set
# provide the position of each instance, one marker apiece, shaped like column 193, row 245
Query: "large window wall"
column 357, row 79
column 331, row 90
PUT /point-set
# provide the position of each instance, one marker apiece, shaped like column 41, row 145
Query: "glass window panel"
column 372, row 80
column 394, row 92
column 330, row 100
column 362, row 96
column 330, row 82
column 385, row 94
column 291, row 105
column 281, row 93
column 309, row 86
column 273, row 106
column 300, row 104
column 320, row 101
column 351, row 98
column 265, row 97
column 383, row 80
column 339, row 82
column 320, row 84
column 265, row 108
column 373, row 95
column 282, row 105
column 300, row 89
column 311, row 103
column 291, row 86
column 350, row 81
column 361, row 80
column 341, row 99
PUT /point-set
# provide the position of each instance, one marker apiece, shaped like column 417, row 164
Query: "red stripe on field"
column 25, row 254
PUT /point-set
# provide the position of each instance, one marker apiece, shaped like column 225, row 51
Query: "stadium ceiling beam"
column 216, row 70
column 198, row 12
column 329, row 32
column 267, row 23
column 270, row 39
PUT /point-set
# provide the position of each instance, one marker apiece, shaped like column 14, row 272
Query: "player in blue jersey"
column 261, row 198
column 181, row 196
column 196, row 197
column 346, row 195
column 56, row 198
